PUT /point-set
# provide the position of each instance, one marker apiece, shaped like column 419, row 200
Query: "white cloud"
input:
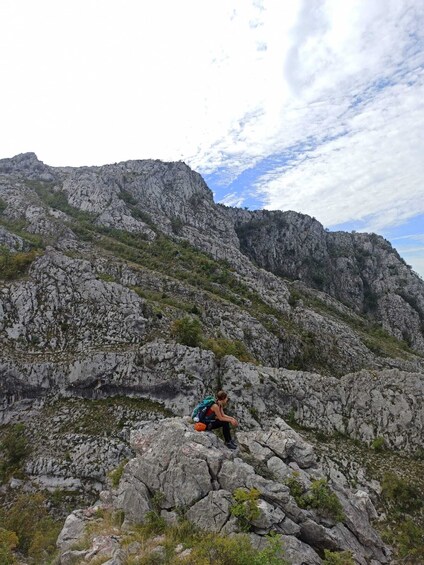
column 372, row 172
column 414, row 237
column 95, row 82
column 232, row 199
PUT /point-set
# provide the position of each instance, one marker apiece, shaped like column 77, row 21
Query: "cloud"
column 349, row 143
column 371, row 170
column 232, row 199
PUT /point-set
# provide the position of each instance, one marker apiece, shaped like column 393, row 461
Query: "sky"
column 315, row 106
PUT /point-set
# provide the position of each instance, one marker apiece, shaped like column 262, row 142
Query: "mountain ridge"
column 126, row 293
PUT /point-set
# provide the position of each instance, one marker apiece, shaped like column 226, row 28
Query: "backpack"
column 200, row 410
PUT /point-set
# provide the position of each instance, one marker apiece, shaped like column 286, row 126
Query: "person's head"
column 222, row 397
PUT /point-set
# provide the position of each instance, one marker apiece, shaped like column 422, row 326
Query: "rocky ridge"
column 195, row 472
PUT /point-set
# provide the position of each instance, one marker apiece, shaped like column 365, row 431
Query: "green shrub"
column 236, row 550
column 338, row 558
column 378, row 444
column 14, row 265
column 296, row 488
column 323, row 499
column 116, row 474
column 245, row 507
column 410, row 541
column 177, row 225
column 154, row 523
column 222, row 347
column 319, row 496
column 29, row 520
column 14, row 448
column 8, row 542
column 400, row 495
column 187, row 331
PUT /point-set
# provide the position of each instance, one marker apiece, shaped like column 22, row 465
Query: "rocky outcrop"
column 78, row 412
column 385, row 403
column 360, row 270
column 11, row 241
column 364, row 405
column 177, row 468
column 65, row 306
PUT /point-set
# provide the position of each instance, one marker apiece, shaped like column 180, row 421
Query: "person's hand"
column 234, row 422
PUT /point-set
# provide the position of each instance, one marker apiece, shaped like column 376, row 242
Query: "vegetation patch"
column 187, row 331
column 245, row 507
column 222, row 347
column 3, row 205
column 15, row 265
column 202, row 548
column 338, row 558
column 35, row 532
column 319, row 496
column 99, row 417
column 15, row 449
column 400, row 495
column 116, row 474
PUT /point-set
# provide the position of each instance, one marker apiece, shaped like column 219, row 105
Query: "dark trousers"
column 215, row 424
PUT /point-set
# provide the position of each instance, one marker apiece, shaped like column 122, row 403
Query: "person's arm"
column 219, row 413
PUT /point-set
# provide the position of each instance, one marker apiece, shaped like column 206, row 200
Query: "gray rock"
column 212, row 512
column 72, row 531
column 195, row 471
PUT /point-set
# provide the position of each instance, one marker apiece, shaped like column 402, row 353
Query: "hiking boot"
column 231, row 445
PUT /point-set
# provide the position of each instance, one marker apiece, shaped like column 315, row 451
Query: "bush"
column 237, row 550
column 245, row 507
column 116, row 474
column 3, row 205
column 187, row 331
column 14, row 265
column 8, row 542
column 378, row 444
column 35, row 529
column 399, row 494
column 338, row 558
column 14, row 449
column 296, row 488
column 410, row 541
column 323, row 499
column 222, row 347
column 320, row 497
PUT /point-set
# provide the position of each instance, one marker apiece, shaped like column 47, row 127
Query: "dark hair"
column 221, row 395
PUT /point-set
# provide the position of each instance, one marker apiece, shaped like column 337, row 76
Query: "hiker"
column 215, row 418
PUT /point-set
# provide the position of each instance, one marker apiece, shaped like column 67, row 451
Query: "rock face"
column 364, row 405
column 177, row 468
column 65, row 306
column 362, row 271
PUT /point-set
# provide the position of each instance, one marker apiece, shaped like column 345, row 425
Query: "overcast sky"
column 315, row 105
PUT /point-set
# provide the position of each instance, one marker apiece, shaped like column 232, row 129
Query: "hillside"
column 126, row 294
